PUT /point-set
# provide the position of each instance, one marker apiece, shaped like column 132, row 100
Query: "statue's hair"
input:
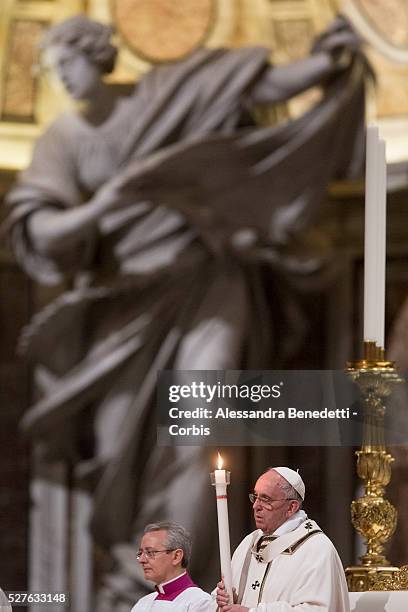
column 88, row 36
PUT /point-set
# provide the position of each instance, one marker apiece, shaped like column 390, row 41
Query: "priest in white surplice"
column 287, row 564
column 164, row 554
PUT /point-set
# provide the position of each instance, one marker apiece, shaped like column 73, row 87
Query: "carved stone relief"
column 293, row 37
column 20, row 81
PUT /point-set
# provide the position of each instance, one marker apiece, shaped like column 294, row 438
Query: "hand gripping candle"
column 220, row 479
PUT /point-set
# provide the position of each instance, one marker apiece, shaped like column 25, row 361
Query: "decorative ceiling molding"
column 383, row 24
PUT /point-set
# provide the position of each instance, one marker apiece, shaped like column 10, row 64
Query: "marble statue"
column 4, row 603
column 166, row 212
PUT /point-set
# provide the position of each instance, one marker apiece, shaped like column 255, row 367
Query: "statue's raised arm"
column 333, row 52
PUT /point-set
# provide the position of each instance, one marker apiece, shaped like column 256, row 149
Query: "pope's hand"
column 222, row 596
column 223, row 600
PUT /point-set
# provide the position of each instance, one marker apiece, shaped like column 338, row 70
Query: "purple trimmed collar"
column 170, row 590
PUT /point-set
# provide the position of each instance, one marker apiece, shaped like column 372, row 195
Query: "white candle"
column 221, row 481
column 371, row 234
column 381, row 242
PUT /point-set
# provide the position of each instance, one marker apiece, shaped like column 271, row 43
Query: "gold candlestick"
column 372, row 515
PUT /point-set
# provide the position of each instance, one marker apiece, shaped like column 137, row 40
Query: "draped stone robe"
column 185, row 271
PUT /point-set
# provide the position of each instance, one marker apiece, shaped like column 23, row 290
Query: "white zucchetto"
column 293, row 478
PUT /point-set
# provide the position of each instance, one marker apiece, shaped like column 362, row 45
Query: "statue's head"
column 81, row 52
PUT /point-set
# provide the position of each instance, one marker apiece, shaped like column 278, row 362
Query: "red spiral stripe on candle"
column 221, row 496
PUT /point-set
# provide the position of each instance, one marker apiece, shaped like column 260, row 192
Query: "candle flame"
column 220, row 461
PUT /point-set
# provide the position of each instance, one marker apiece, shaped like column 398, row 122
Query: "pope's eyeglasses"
column 151, row 554
column 265, row 501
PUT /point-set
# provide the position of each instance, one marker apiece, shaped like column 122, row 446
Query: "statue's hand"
column 340, row 40
column 107, row 196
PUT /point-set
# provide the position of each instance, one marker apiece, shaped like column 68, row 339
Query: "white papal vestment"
column 299, row 571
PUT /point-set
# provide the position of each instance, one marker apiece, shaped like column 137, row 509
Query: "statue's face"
column 79, row 75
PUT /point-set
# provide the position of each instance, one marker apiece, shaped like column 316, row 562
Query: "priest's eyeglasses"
column 151, row 554
column 265, row 501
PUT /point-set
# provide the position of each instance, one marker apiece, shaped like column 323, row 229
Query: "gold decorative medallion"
column 163, row 30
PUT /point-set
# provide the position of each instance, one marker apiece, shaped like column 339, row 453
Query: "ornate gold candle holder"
column 372, row 515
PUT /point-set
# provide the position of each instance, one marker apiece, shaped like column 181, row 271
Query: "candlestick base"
column 373, row 516
column 366, row 578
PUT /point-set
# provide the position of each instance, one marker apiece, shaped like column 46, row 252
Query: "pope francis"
column 287, row 563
